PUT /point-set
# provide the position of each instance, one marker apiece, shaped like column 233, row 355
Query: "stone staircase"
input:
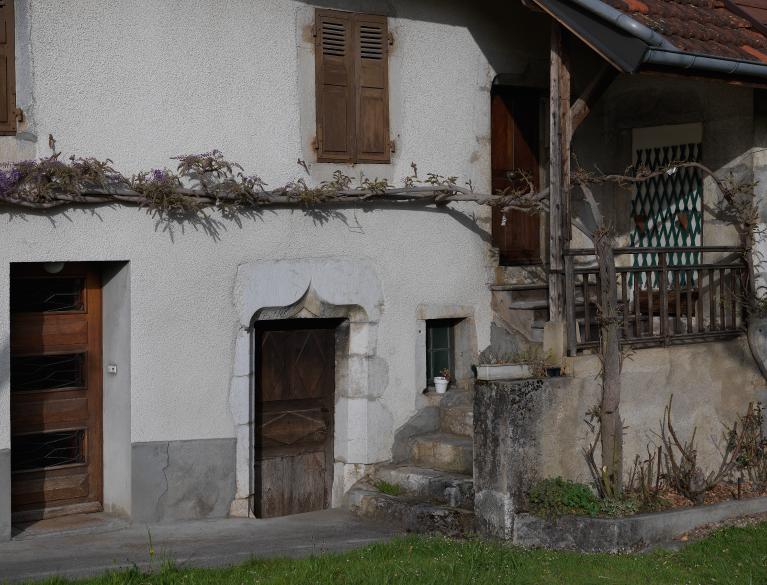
column 522, row 308
column 432, row 488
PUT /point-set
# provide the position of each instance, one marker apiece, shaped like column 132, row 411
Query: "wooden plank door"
column 56, row 443
column 294, row 418
column 515, row 141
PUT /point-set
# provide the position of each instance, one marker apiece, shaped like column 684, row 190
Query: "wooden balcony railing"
column 663, row 303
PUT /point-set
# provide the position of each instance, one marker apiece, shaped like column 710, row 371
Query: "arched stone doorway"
column 345, row 293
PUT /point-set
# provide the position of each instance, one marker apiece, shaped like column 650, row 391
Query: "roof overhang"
column 631, row 47
column 621, row 49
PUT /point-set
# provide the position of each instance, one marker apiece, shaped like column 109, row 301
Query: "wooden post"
column 559, row 171
column 611, row 424
column 572, row 342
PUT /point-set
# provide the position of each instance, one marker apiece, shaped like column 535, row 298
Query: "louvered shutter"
column 371, row 37
column 7, row 69
column 335, row 87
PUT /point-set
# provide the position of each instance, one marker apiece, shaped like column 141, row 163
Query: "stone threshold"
column 626, row 534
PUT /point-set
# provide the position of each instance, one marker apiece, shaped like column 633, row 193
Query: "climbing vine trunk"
column 610, row 423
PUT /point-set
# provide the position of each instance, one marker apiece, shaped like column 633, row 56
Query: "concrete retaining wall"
column 626, row 534
column 529, row 430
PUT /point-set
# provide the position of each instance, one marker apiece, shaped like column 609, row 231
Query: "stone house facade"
column 186, row 319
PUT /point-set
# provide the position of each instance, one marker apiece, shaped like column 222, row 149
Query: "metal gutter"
column 630, row 45
column 626, row 23
column 705, row 63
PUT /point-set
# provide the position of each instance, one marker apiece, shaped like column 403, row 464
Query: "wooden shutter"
column 335, row 86
column 371, row 39
column 7, row 69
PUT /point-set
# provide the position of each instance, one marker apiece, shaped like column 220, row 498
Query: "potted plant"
column 501, row 366
column 530, row 363
column 441, row 382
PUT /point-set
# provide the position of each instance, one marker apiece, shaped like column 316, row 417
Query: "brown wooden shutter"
column 371, row 40
column 335, row 86
column 7, row 69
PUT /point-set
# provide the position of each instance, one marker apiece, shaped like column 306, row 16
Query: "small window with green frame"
column 440, row 349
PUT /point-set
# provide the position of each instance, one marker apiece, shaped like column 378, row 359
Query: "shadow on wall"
column 500, row 29
column 178, row 224
column 5, row 377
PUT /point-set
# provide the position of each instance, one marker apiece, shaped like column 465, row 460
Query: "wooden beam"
column 559, row 171
column 581, row 108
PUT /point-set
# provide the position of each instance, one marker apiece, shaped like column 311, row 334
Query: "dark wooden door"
column 515, row 146
column 294, row 418
column 56, row 443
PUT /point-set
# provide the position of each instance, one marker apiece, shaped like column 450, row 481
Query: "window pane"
column 47, row 450
column 46, row 295
column 440, row 337
column 440, row 360
column 47, row 372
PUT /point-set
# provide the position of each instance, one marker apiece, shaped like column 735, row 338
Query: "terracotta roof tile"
column 709, row 27
column 756, row 9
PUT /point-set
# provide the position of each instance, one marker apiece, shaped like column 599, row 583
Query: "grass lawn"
column 733, row 555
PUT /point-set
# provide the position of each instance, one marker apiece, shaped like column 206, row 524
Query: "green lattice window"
column 667, row 210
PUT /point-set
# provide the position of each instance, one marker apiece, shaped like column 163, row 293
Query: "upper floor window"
column 7, row 68
column 352, row 79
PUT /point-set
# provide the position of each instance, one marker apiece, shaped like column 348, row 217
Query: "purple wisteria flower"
column 9, row 178
column 158, row 175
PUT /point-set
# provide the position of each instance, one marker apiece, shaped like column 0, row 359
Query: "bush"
column 558, row 497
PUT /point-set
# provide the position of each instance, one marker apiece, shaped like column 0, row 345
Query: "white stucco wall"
column 139, row 82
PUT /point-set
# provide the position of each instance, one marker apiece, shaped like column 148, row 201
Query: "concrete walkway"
column 111, row 545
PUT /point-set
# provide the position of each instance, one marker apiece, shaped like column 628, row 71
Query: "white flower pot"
column 440, row 384
column 489, row 372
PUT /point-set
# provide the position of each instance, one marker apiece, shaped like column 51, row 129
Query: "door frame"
column 339, row 288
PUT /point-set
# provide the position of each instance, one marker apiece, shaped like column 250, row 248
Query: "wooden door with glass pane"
column 56, row 443
column 295, row 401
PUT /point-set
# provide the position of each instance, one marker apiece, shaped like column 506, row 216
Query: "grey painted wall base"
column 626, row 534
column 182, row 480
column 5, row 494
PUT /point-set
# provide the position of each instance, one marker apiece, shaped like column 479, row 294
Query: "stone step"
column 453, row 489
column 457, row 420
column 529, row 304
column 456, row 413
column 411, row 514
column 442, row 451
column 457, row 397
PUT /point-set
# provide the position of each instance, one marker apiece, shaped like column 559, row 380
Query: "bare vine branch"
column 209, row 180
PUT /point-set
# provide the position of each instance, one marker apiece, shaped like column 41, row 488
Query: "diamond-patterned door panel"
column 668, row 210
column 308, row 426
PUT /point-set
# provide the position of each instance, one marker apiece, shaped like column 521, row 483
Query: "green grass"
column 385, row 487
column 734, row 555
